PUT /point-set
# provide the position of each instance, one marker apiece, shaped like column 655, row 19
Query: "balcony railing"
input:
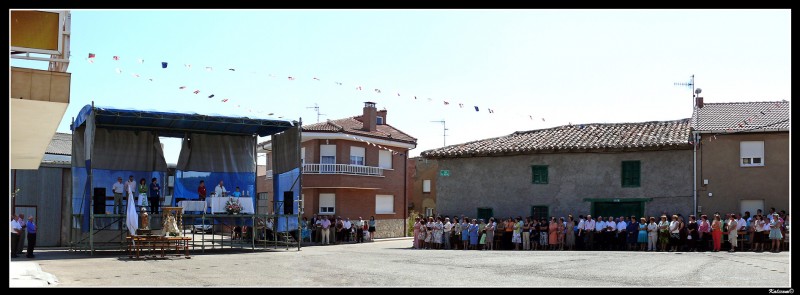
column 342, row 169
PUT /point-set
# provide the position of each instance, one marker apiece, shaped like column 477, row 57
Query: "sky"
column 556, row 66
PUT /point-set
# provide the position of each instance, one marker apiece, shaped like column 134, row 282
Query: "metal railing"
column 342, row 169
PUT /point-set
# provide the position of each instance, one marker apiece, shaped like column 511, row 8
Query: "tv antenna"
column 444, row 131
column 316, row 109
column 691, row 84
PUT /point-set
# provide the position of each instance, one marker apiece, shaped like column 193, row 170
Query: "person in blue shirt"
column 155, row 195
column 237, row 193
column 31, row 237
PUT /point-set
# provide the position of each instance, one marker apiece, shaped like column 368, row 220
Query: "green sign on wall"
column 444, row 172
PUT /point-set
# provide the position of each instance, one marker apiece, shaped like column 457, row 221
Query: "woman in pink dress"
column 553, row 233
column 416, row 233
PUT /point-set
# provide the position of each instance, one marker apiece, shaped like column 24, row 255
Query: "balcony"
column 346, row 169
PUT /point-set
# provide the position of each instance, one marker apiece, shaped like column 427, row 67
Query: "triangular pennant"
column 232, row 70
column 476, row 109
column 116, row 57
column 315, row 78
column 211, row 96
column 225, row 100
column 291, row 78
column 446, row 103
column 163, row 65
column 182, row 87
column 91, row 55
column 197, row 92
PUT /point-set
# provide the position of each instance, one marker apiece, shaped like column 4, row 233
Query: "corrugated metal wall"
column 46, row 190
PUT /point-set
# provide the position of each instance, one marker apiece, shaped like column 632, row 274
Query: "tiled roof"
column 60, row 145
column 353, row 126
column 581, row 137
column 740, row 116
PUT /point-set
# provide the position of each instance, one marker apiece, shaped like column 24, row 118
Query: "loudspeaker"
column 99, row 200
column 288, row 202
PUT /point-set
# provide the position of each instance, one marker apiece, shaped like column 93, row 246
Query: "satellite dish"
column 698, row 90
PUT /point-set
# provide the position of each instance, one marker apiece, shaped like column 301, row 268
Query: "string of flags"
column 92, row 56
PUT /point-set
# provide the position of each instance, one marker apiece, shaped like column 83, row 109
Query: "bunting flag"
column 225, row 100
column 211, row 96
column 164, row 65
column 91, row 60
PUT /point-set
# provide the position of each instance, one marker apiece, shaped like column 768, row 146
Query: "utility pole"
column 316, row 109
column 444, row 131
column 695, row 136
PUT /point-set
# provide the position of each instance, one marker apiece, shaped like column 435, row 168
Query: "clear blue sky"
column 579, row 66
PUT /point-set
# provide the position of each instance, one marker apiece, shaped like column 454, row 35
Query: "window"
column 327, row 203
column 379, row 120
column 539, row 212
column 428, row 211
column 539, row 174
column 356, row 155
column 385, row 159
column 384, row 204
column 426, row 186
column 751, row 153
column 302, row 155
column 630, row 173
column 327, row 156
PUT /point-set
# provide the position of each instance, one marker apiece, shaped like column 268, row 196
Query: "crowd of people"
column 762, row 232
column 20, row 230
column 326, row 230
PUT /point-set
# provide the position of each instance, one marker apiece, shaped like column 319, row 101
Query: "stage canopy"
column 110, row 143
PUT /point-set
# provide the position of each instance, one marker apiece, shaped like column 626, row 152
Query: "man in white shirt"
column 588, row 230
column 600, row 233
column 118, row 188
column 347, row 229
column 611, row 233
column 15, row 230
column 219, row 190
column 325, row 223
column 622, row 233
column 742, row 223
column 359, row 225
column 579, row 238
column 448, row 227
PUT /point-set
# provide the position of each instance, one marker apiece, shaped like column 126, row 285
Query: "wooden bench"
column 139, row 243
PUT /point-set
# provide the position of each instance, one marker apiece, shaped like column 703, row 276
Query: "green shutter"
column 539, row 174
column 631, row 173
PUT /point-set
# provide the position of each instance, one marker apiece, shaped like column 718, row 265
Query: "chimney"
column 699, row 102
column 368, row 119
column 382, row 114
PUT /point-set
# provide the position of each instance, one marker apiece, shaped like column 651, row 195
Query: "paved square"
column 393, row 263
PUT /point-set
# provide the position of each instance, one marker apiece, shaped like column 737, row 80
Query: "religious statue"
column 145, row 219
column 171, row 226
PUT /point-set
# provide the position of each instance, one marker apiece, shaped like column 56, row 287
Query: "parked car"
column 199, row 228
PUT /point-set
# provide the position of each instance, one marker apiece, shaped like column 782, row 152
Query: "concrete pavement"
column 393, row 263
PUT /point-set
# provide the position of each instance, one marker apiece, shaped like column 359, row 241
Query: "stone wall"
column 389, row 228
